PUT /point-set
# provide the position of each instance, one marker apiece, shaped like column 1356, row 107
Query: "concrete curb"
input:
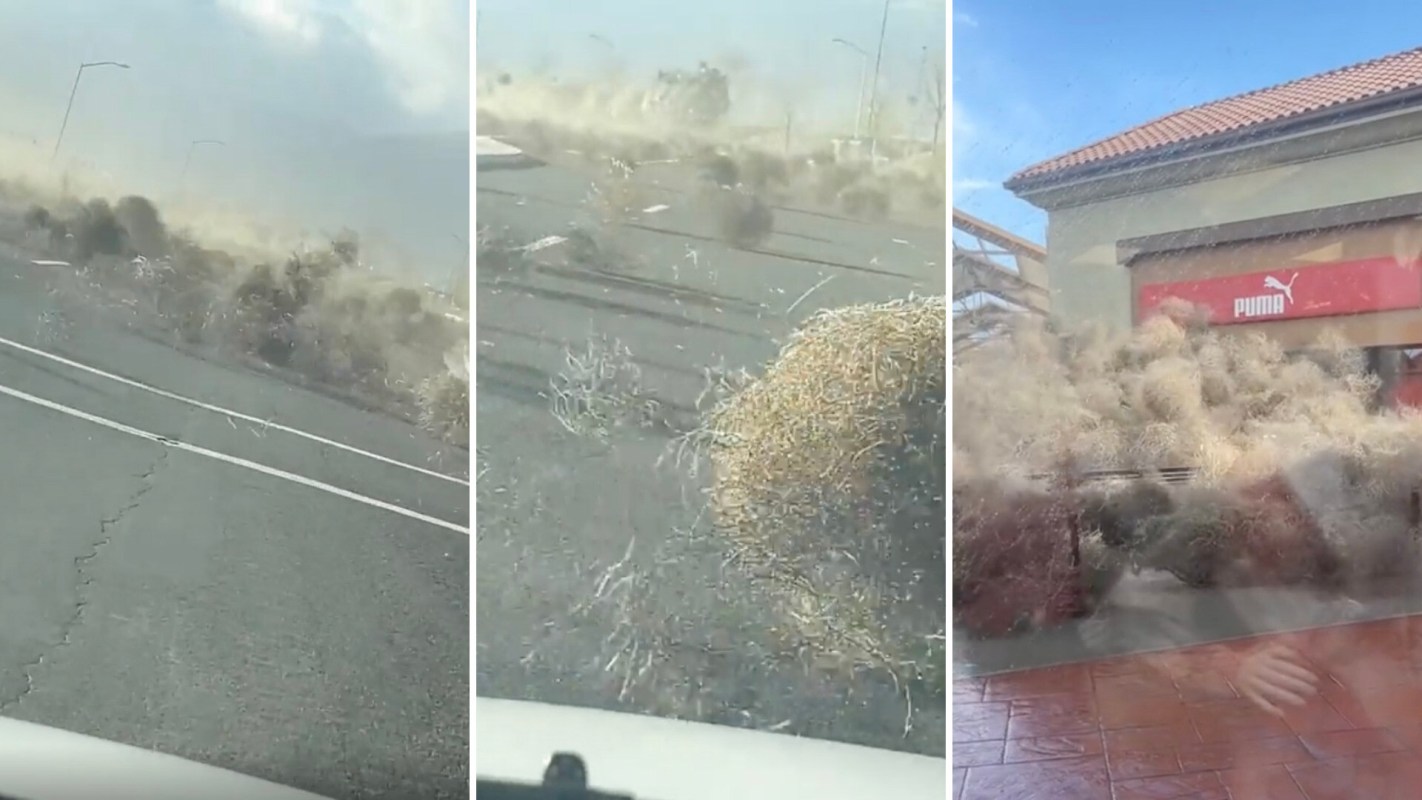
column 490, row 153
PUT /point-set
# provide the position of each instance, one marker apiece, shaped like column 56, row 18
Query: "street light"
column 863, row 79
column 189, row 159
column 874, row 92
column 72, row 92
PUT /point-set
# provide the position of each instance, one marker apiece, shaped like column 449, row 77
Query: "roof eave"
column 1356, row 112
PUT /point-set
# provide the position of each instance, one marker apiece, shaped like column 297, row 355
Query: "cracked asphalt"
column 557, row 512
column 160, row 598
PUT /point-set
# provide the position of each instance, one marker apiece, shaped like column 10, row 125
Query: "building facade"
column 1284, row 210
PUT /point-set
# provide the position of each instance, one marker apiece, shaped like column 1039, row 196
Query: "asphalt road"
column 280, row 621
column 673, row 632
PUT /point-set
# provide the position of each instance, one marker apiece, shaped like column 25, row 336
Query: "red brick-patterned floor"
column 1175, row 726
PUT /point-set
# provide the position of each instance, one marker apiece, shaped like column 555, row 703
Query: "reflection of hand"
column 1275, row 676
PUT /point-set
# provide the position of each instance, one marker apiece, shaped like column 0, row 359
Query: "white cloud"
column 964, row 129
column 424, row 44
column 291, row 20
column 973, row 184
column 967, row 159
column 962, row 187
column 421, row 45
column 965, row 19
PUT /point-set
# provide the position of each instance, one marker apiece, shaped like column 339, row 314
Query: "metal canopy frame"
column 1006, row 272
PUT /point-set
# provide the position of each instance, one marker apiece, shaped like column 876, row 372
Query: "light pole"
column 874, row 91
column 608, row 55
column 74, row 90
column 187, row 162
column 863, row 79
column 934, row 78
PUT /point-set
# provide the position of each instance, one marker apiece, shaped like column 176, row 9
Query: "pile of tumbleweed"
column 1296, row 474
column 829, row 481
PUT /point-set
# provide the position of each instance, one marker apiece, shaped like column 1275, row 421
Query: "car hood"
column 38, row 762
column 662, row 759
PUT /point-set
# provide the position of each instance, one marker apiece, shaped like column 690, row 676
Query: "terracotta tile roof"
column 1339, row 87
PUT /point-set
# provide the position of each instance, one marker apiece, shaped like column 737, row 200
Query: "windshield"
column 710, row 357
column 1187, row 268
column 234, row 386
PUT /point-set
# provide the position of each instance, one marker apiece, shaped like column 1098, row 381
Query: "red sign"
column 1325, row 290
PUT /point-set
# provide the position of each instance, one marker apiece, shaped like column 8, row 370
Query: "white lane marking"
column 229, row 413
column 808, row 292
column 234, row 460
column 50, row 263
column 656, row 209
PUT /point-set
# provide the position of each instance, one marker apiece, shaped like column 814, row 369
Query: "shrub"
column 742, row 219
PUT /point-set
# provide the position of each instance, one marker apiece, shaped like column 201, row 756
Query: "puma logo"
column 1267, row 305
column 1271, row 282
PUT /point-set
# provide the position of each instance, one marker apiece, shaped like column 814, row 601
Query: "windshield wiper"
column 565, row 778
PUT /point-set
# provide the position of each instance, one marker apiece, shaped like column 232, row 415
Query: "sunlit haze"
column 332, row 112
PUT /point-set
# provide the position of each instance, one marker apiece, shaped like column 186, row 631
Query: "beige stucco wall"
column 1085, row 279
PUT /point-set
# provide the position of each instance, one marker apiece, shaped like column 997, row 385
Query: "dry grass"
column 1167, row 394
column 616, row 197
column 828, row 481
column 444, row 399
column 600, row 390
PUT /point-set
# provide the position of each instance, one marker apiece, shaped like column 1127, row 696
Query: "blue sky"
column 781, row 46
column 1036, row 78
